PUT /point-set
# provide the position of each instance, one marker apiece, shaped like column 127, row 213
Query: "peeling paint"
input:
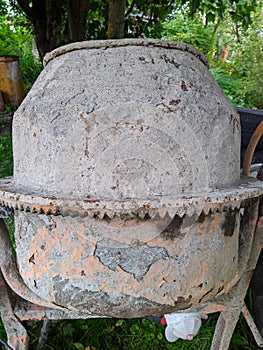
column 134, row 260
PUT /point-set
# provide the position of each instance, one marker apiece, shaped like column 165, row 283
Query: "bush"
column 191, row 31
column 6, row 155
column 232, row 85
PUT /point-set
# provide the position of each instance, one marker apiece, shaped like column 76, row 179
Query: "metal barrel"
column 11, row 82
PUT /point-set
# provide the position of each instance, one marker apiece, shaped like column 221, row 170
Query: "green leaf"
column 210, row 17
column 119, row 323
column 134, row 329
column 160, row 336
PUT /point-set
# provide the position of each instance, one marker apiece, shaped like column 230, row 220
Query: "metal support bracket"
column 16, row 332
column 5, row 212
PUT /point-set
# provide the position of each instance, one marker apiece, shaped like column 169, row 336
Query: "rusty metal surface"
column 235, row 299
column 9, row 269
column 249, row 319
column 229, row 302
column 17, row 335
column 86, row 258
column 251, row 148
column 227, row 320
column 23, row 199
column 230, row 305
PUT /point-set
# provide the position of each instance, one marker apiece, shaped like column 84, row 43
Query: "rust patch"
column 173, row 230
column 201, row 218
column 175, row 102
column 142, row 59
column 32, row 259
column 229, row 224
column 183, row 86
column 212, row 308
column 170, row 60
column 235, row 123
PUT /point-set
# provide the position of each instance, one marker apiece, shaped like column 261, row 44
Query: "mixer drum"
column 129, row 150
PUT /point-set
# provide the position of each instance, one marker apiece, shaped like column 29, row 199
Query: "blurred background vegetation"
column 230, row 34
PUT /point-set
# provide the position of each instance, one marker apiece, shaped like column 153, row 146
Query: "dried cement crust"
column 128, row 119
column 104, row 44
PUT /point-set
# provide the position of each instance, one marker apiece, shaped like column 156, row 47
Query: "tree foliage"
column 239, row 10
column 191, row 31
column 229, row 28
column 3, row 8
column 58, row 22
column 234, row 50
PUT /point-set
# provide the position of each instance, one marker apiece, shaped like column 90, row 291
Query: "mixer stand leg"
column 226, row 325
column 225, row 328
column 227, row 320
column 16, row 333
column 251, row 324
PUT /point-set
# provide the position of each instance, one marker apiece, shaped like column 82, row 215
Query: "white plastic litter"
column 182, row 325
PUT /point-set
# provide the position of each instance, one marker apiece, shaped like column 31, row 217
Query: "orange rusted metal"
column 17, row 335
column 251, row 148
column 10, row 272
column 11, row 82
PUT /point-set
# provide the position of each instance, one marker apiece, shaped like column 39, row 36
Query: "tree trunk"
column 49, row 20
column 77, row 17
column 56, row 22
column 116, row 19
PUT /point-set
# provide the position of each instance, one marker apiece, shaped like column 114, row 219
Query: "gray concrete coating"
column 126, row 120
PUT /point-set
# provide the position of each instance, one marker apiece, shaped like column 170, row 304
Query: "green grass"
column 117, row 334
column 6, row 155
column 132, row 334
